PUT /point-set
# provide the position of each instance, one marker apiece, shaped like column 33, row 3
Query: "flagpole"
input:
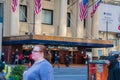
column 33, row 32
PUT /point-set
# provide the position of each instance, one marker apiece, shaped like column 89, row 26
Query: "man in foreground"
column 41, row 69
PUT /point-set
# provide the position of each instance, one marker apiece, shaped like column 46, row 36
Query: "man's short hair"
column 116, row 55
column 42, row 47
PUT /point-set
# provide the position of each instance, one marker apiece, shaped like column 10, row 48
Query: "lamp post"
column 107, row 21
column 33, row 23
column 107, row 30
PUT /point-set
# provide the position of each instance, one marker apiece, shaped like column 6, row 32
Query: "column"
column 88, row 23
column 80, row 27
column 34, row 21
column 30, row 7
column 37, row 22
column 14, row 20
column 63, row 18
column 1, row 36
column 56, row 17
column 94, row 30
column 7, row 8
column 74, row 17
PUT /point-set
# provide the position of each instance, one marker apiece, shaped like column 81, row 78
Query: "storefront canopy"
column 53, row 40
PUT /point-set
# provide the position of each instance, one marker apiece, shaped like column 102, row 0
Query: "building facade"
column 56, row 18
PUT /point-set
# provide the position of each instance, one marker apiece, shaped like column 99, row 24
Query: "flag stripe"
column 37, row 6
column 83, row 5
column 95, row 6
column 14, row 5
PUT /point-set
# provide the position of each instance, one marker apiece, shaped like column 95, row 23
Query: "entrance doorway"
column 26, row 54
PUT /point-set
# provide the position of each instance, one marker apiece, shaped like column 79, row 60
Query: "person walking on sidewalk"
column 67, row 60
column 41, row 69
column 56, row 60
column 113, row 67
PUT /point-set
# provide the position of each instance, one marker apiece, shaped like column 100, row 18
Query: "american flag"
column 83, row 9
column 14, row 5
column 95, row 6
column 37, row 6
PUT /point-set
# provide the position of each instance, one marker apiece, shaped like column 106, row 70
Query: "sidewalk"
column 61, row 65
column 72, row 65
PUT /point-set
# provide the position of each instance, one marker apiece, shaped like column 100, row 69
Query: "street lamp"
column 107, row 30
column 33, row 23
column 107, row 21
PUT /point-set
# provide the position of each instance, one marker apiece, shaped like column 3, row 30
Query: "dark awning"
column 53, row 40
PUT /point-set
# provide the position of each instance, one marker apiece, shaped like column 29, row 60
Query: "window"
column 47, row 16
column 1, row 12
column 115, row 42
column 68, row 19
column 99, row 53
column 23, row 13
column 68, row 2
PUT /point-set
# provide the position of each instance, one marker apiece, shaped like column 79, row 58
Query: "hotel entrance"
column 74, row 47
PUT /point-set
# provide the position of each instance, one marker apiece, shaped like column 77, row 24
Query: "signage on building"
column 109, row 18
column 20, row 37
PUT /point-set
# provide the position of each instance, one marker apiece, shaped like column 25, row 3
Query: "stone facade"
column 77, row 29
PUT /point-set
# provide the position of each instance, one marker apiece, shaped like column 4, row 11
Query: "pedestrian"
column 3, row 57
column 20, row 58
column 117, row 68
column 31, row 61
column 86, row 59
column 6, row 71
column 113, row 67
column 41, row 69
column 56, row 60
column 1, row 73
column 67, row 60
column 16, row 59
column 13, row 57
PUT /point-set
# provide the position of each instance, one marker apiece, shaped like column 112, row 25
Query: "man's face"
column 36, row 53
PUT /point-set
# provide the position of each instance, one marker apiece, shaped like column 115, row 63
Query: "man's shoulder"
column 45, row 63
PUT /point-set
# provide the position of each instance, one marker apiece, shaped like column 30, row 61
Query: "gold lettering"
column 19, row 38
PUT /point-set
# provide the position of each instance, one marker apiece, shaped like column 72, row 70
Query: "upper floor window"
column 1, row 12
column 47, row 16
column 23, row 13
column 68, row 2
column 68, row 19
